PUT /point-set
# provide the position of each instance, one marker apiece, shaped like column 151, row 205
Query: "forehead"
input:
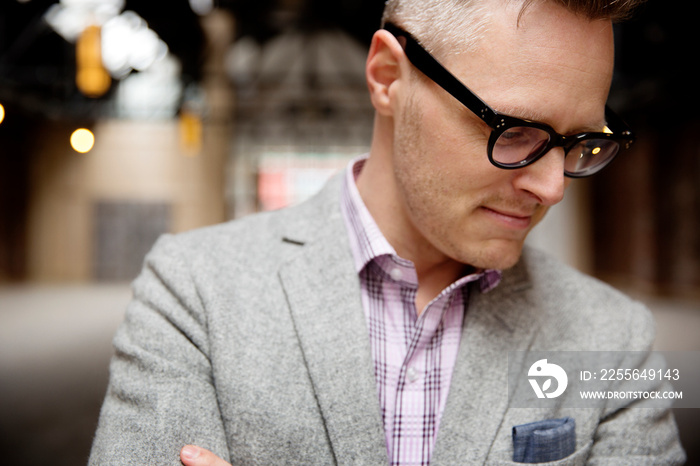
column 548, row 65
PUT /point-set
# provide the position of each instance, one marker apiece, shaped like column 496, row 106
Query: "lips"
column 510, row 219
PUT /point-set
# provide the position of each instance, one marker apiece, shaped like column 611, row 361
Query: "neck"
column 380, row 193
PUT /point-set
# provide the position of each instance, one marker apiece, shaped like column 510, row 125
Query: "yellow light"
column 91, row 77
column 607, row 130
column 596, row 151
column 2, row 113
column 82, row 140
column 190, row 132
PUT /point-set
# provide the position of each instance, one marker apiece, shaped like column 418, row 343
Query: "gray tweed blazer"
column 248, row 338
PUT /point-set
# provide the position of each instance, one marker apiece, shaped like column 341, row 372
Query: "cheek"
column 442, row 157
column 539, row 216
column 457, row 148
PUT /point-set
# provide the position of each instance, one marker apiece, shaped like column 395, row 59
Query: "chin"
column 497, row 256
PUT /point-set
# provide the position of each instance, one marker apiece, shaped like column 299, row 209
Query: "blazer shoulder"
column 581, row 308
column 253, row 248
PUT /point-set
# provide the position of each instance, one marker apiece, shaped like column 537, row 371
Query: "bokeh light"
column 92, row 78
column 82, row 140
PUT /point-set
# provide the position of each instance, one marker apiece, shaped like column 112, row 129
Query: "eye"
column 512, row 136
column 522, row 135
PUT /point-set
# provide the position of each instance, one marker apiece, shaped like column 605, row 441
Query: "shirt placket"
column 418, row 389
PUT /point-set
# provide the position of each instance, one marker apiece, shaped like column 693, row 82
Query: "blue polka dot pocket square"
column 543, row 441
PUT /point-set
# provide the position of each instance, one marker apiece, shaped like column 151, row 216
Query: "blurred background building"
column 199, row 111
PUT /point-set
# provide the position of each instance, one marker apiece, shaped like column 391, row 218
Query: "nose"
column 544, row 179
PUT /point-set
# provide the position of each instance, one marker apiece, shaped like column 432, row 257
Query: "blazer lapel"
column 495, row 323
column 323, row 294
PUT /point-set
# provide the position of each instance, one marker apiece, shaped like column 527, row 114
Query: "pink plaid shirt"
column 413, row 355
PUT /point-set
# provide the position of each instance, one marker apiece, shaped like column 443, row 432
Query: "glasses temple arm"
column 428, row 65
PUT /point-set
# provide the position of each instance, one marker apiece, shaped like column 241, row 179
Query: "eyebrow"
column 530, row 115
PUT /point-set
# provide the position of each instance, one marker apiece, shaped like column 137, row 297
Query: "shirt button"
column 412, row 374
column 396, row 274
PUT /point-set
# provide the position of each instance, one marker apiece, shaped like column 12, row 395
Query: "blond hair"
column 439, row 25
column 428, row 21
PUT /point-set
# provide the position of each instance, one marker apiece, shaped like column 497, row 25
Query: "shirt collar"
column 367, row 242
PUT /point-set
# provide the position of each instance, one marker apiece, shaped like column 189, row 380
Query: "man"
column 372, row 324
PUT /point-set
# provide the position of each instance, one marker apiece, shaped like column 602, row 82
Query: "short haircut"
column 441, row 24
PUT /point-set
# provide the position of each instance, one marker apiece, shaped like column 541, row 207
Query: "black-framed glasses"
column 514, row 142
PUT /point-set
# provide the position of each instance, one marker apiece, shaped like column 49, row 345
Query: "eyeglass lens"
column 517, row 146
column 589, row 156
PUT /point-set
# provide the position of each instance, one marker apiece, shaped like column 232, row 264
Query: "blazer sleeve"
column 161, row 394
column 638, row 435
column 638, row 431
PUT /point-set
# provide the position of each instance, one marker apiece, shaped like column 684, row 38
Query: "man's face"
column 555, row 68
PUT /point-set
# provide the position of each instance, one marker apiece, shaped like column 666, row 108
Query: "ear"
column 383, row 69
